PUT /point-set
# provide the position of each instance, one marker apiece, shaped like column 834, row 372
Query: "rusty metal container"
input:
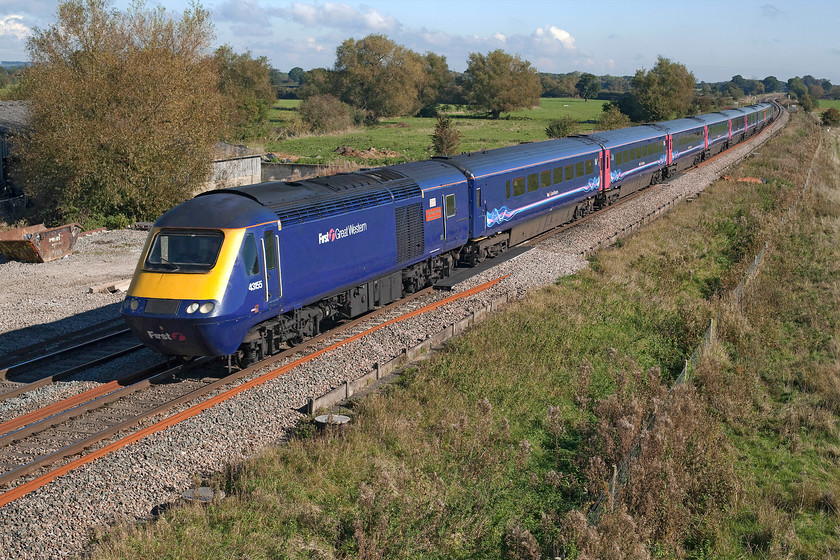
column 38, row 244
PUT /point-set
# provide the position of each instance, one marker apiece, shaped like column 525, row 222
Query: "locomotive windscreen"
column 184, row 251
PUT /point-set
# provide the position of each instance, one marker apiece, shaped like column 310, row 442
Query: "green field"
column 826, row 103
column 410, row 136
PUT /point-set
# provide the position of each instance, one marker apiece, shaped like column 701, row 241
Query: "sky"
column 714, row 39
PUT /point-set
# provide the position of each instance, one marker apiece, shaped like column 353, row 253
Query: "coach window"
column 519, row 186
column 589, row 167
column 249, row 255
column 533, row 182
column 579, row 169
column 478, row 197
column 507, row 188
column 450, row 205
column 545, row 179
column 570, row 172
column 558, row 175
column 625, row 156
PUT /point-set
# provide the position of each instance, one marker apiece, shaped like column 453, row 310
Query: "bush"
column 325, row 113
column 612, row 118
column 447, row 139
column 831, row 117
column 562, row 127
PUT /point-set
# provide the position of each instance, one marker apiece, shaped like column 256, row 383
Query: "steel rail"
column 51, row 410
column 38, row 482
column 8, row 359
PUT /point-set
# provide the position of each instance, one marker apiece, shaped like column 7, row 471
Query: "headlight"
column 207, row 307
column 134, row 304
column 192, row 307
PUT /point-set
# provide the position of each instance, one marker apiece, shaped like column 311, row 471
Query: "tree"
column 808, row 103
column 588, row 86
column 816, row 91
column 831, row 117
column 498, row 82
column 379, row 76
column 550, row 86
column 568, row 83
column 318, row 81
column 245, row 83
column 666, row 91
column 437, row 80
column 123, row 112
column 732, row 90
column 446, row 139
column 562, row 127
column 615, row 84
column 771, row 84
column 296, row 74
column 797, row 88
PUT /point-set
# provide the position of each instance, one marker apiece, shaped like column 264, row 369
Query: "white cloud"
column 552, row 34
column 341, row 16
column 11, row 25
column 500, row 37
column 313, row 45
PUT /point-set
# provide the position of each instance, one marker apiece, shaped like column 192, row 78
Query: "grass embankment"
column 410, row 136
column 492, row 448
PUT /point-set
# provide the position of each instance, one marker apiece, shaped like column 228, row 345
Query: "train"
column 244, row 272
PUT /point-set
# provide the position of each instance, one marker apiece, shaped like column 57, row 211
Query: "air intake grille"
column 411, row 241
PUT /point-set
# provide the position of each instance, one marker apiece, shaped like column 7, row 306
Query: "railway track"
column 34, row 444
column 63, row 357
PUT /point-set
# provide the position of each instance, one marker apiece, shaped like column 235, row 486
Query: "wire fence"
column 620, row 476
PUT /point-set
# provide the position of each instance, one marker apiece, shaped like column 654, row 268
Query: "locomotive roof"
column 622, row 136
column 510, row 158
column 222, row 210
column 313, row 199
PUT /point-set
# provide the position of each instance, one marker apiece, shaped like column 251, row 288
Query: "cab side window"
column 249, row 255
column 269, row 250
column 450, row 205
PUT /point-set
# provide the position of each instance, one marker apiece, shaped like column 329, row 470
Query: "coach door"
column 269, row 251
column 455, row 208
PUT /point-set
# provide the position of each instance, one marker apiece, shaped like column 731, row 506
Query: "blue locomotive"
column 243, row 271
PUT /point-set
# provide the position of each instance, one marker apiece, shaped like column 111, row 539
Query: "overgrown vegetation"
column 495, row 447
column 123, row 113
column 325, row 114
column 562, row 127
